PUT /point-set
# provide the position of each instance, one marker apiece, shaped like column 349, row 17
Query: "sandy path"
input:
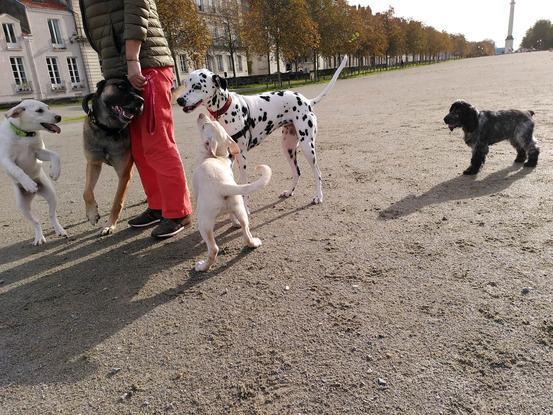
column 408, row 272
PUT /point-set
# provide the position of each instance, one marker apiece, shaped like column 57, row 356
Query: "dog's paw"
column 520, row 159
column 531, row 163
column 317, row 200
column 471, row 171
column 254, row 243
column 55, row 171
column 92, row 215
column 29, row 185
column 286, row 194
column 108, row 230
column 61, row 232
column 39, row 240
column 201, row 266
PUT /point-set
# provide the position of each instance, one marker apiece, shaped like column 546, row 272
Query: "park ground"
column 411, row 289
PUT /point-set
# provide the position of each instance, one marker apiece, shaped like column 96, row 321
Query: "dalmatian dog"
column 249, row 119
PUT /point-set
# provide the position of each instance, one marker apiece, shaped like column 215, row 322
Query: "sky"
column 476, row 19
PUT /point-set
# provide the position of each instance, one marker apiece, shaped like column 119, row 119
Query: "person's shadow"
column 55, row 309
column 458, row 188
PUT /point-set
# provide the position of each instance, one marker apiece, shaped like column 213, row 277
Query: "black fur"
column 484, row 128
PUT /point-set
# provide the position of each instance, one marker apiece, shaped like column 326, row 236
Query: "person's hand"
column 134, row 75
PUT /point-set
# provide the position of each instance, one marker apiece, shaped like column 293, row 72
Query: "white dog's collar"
column 22, row 133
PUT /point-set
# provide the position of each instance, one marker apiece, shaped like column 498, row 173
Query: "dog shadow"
column 458, row 188
column 57, row 308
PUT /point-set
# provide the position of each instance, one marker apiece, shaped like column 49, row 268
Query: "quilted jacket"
column 107, row 24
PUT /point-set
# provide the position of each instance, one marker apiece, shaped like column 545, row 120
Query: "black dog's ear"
column 86, row 100
column 220, row 82
column 100, row 85
column 469, row 118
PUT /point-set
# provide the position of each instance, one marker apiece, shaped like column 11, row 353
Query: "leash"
column 22, row 133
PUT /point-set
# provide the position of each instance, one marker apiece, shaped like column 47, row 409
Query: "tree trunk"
column 277, row 55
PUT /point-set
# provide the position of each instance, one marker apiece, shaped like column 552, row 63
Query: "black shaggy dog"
column 484, row 128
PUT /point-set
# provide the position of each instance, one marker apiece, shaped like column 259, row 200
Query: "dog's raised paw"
column 286, row 194
column 55, row 173
column 470, row 171
column 29, row 186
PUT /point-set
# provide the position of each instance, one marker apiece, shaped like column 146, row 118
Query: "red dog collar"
column 219, row 112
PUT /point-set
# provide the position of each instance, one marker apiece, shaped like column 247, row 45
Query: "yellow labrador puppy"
column 216, row 190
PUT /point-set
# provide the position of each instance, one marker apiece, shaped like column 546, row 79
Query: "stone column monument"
column 509, row 41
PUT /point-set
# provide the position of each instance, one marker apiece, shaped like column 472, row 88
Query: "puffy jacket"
column 108, row 24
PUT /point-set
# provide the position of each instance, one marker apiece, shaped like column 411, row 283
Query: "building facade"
column 39, row 54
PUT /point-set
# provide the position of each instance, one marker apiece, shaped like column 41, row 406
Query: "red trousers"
column 154, row 151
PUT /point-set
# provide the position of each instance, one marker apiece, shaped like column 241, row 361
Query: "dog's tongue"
column 53, row 128
column 451, row 127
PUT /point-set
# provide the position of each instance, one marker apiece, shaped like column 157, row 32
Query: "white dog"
column 216, row 190
column 21, row 155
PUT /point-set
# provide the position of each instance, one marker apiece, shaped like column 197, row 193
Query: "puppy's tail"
column 330, row 85
column 532, row 113
column 244, row 189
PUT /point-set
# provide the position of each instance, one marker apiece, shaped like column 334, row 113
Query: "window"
column 53, row 71
column 220, row 66
column 229, row 62
column 18, row 71
column 200, row 4
column 182, row 63
column 55, row 33
column 240, row 66
column 9, row 32
column 73, row 71
column 209, row 62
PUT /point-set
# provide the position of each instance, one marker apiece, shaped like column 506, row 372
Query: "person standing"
column 128, row 37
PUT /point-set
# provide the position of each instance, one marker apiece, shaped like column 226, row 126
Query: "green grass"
column 78, row 118
column 253, row 89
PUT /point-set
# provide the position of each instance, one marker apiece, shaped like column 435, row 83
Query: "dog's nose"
column 58, row 118
column 446, row 118
column 180, row 101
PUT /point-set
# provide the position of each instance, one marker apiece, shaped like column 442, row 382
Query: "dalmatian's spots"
column 252, row 118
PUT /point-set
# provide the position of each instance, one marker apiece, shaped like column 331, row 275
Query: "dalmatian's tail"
column 327, row 89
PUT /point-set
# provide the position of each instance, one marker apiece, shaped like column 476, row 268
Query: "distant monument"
column 509, row 41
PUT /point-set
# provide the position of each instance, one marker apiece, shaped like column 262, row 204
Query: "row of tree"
column 293, row 30
column 539, row 36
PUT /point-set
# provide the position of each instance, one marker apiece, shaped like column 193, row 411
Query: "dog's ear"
column 100, row 85
column 15, row 112
column 211, row 146
column 220, row 82
column 232, row 146
column 469, row 118
column 86, row 100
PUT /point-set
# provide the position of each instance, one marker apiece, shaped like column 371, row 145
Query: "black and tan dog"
column 106, row 140
column 484, row 128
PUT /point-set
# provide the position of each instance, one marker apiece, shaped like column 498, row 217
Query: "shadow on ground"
column 458, row 188
column 50, row 319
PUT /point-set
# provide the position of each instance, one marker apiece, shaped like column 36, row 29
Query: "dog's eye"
column 40, row 110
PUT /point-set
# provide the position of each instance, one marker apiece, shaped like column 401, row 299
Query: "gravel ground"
column 411, row 289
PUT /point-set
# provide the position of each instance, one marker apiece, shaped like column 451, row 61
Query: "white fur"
column 216, row 190
column 22, row 157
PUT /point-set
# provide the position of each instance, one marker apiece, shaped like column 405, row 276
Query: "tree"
column 539, row 36
column 184, row 29
column 414, row 38
column 229, row 15
column 274, row 25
